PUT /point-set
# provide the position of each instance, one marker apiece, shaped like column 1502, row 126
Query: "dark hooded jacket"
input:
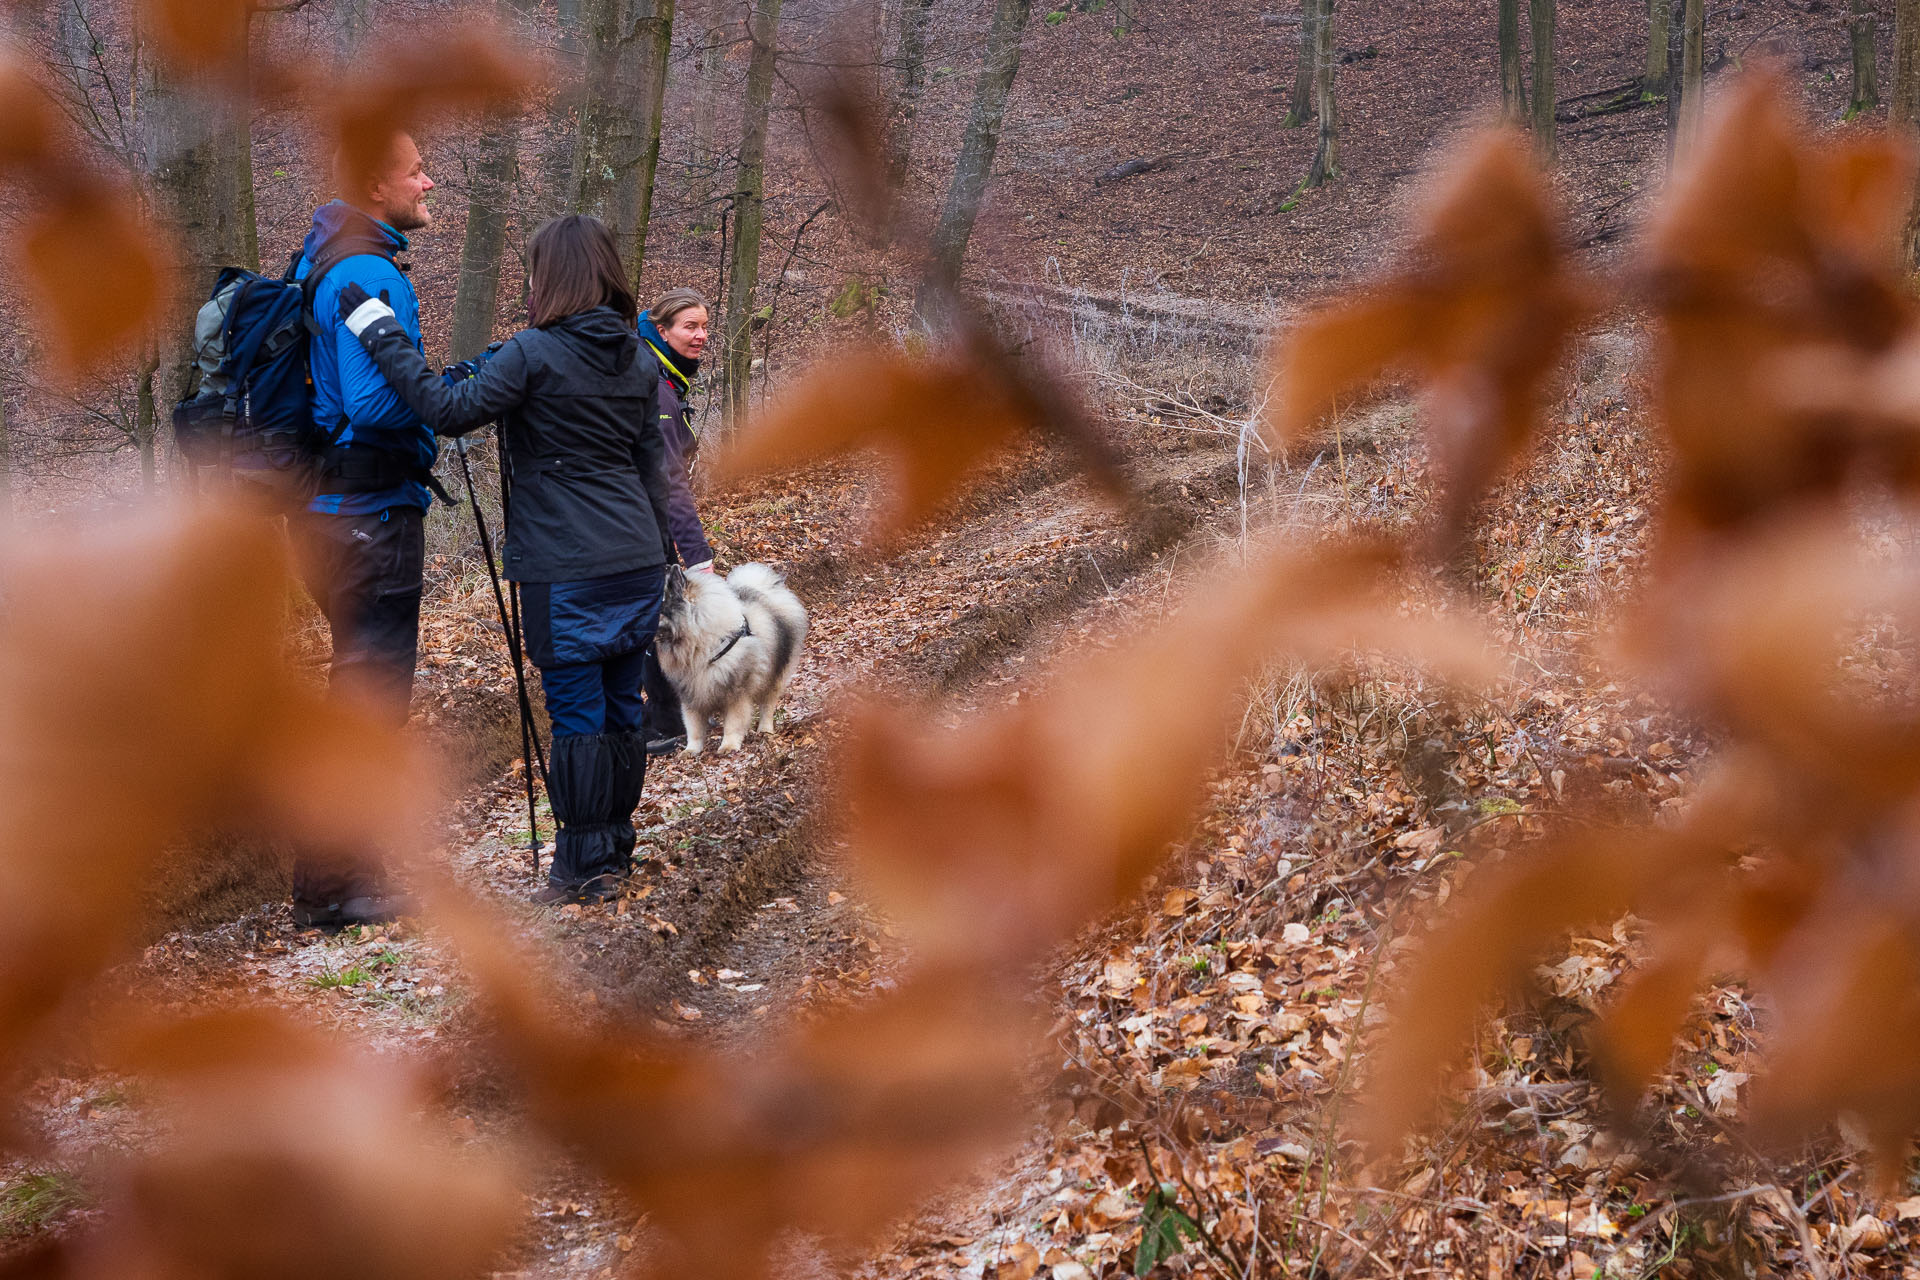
column 578, row 414
column 676, row 425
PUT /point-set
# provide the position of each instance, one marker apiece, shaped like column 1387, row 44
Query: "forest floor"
column 1212, row 1026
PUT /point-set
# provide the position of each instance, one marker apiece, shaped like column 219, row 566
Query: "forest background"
column 1154, row 195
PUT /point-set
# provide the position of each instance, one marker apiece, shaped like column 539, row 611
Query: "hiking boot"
column 376, row 908
column 666, row 746
column 367, row 909
column 599, row 889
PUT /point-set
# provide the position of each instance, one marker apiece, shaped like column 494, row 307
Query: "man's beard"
column 411, row 219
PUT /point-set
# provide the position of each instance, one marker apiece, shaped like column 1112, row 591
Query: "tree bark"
column 6, row 461
column 198, row 171
column 1513, row 89
column 1326, row 155
column 617, row 142
column 476, row 300
column 1693, row 15
column 910, row 84
column 146, row 421
column 705, row 154
column 1654, row 79
column 73, row 38
column 1866, row 72
column 743, row 275
column 1546, row 142
column 351, row 20
column 1903, row 107
column 1300, row 108
column 981, row 140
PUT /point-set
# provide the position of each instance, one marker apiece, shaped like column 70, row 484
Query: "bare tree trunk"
column 476, row 301
column 617, row 143
column 196, row 146
column 237, row 158
column 910, row 84
column 1300, row 107
column 1693, row 15
column 704, row 152
column 743, row 277
column 981, row 140
column 1866, row 72
column 73, row 38
column 1654, row 79
column 6, row 462
column 1326, row 155
column 1513, row 89
column 1546, row 143
column 351, row 19
column 1903, row 108
column 146, row 421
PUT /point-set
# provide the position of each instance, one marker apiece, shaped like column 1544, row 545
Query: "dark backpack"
column 249, row 412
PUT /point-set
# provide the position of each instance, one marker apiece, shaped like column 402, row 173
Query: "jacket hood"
column 681, row 369
column 337, row 220
column 599, row 337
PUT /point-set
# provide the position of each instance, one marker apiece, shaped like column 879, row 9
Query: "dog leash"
column 732, row 640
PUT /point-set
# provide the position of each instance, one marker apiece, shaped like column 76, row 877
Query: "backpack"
column 249, row 411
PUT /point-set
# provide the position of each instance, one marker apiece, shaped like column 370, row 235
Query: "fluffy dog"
column 728, row 645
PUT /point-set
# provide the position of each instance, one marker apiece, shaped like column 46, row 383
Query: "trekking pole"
column 510, row 623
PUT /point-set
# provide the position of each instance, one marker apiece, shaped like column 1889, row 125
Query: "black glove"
column 462, row 370
column 359, row 309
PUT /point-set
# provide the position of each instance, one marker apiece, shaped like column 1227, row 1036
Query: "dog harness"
column 732, row 640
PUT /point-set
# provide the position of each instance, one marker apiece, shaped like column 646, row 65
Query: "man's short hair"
column 362, row 158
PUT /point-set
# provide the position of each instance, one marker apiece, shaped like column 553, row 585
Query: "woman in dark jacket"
column 587, row 535
column 675, row 331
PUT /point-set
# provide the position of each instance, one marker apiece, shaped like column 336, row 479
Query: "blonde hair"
column 673, row 302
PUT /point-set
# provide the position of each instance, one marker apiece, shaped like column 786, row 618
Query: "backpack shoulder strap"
column 330, row 257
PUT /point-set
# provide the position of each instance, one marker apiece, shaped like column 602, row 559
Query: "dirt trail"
column 740, row 915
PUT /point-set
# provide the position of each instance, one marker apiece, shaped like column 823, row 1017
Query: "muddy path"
column 740, row 916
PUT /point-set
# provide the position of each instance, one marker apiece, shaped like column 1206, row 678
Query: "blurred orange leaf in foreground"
column 937, row 420
column 994, row 839
column 145, row 693
column 467, row 68
column 1482, row 312
column 66, row 249
column 835, row 1128
column 288, row 1154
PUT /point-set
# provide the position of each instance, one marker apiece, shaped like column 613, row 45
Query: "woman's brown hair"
column 673, row 302
column 574, row 266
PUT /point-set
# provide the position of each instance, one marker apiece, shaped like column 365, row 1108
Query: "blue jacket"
column 346, row 384
column 676, row 375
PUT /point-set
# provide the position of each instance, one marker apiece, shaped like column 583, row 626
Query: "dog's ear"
column 676, row 585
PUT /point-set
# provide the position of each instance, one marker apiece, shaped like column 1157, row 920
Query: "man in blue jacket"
column 360, row 541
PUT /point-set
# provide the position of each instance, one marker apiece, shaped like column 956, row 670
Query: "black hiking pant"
column 663, row 704
column 594, row 781
column 365, row 573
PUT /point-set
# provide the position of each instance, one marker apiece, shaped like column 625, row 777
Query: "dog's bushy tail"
column 754, row 577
